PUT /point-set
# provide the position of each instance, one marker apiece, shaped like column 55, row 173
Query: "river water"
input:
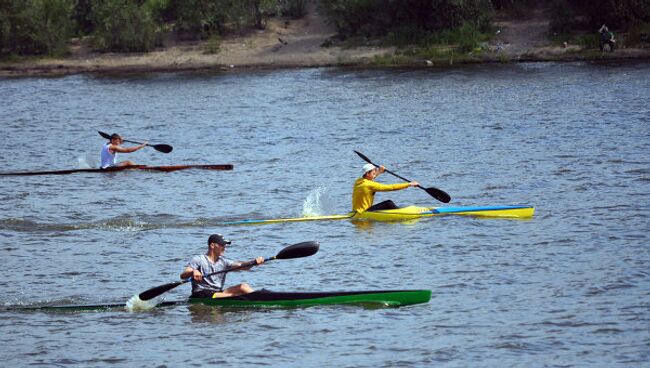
column 569, row 287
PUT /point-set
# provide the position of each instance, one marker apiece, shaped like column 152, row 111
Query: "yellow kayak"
column 410, row 213
column 414, row 212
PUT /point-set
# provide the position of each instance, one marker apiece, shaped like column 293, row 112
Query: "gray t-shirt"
column 203, row 264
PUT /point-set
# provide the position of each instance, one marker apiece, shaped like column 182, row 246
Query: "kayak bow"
column 167, row 168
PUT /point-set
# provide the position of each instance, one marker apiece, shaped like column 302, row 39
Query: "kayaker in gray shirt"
column 214, row 261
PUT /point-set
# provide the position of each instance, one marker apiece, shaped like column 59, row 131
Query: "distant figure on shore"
column 606, row 38
column 112, row 147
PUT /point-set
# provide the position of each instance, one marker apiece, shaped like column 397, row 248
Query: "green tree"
column 562, row 17
column 82, row 16
column 160, row 10
column 34, row 27
column 203, row 18
column 372, row 18
column 51, row 24
column 6, row 12
column 293, row 8
column 122, row 25
column 199, row 18
column 615, row 13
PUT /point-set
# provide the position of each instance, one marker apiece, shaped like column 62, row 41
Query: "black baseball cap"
column 219, row 239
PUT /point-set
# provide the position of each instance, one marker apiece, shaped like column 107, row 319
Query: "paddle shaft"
column 165, row 148
column 136, row 142
column 401, row 177
column 243, row 265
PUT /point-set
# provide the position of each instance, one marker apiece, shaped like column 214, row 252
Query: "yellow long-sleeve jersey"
column 364, row 191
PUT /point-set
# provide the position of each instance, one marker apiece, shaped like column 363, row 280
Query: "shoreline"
column 121, row 64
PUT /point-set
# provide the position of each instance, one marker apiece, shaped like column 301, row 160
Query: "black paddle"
column 164, row 148
column 434, row 192
column 304, row 249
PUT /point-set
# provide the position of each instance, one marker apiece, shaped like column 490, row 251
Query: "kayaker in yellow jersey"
column 110, row 150
column 365, row 188
column 214, row 261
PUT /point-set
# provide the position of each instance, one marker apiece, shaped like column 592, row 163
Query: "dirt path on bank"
column 517, row 37
column 293, row 43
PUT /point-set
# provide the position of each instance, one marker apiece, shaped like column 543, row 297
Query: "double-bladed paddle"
column 304, row 249
column 432, row 191
column 164, row 148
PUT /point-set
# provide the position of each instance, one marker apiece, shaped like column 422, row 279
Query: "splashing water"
column 122, row 223
column 317, row 203
column 135, row 304
column 85, row 162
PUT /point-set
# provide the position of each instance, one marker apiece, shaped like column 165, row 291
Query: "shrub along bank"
column 44, row 27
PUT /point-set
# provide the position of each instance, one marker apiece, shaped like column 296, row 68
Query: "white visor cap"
column 367, row 167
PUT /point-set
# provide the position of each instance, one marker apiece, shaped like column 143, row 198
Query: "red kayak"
column 122, row 168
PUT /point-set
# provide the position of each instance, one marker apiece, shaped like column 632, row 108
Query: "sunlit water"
column 568, row 288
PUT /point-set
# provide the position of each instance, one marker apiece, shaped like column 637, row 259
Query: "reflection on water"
column 202, row 313
column 363, row 224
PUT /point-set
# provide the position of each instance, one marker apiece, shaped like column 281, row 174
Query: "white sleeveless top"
column 108, row 158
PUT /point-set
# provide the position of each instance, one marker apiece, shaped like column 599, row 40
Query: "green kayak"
column 270, row 299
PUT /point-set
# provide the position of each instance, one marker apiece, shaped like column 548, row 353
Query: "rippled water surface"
column 570, row 287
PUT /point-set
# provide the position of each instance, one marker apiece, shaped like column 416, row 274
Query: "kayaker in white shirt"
column 110, row 150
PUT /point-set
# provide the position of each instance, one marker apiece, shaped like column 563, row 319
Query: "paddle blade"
column 159, row 290
column 105, row 135
column 366, row 159
column 164, row 148
column 438, row 194
column 304, row 249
